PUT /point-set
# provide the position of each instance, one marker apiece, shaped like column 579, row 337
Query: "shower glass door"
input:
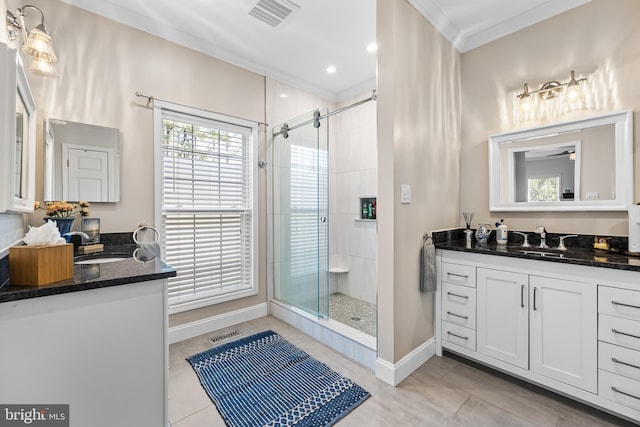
column 300, row 217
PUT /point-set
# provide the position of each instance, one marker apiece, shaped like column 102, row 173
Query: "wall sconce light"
column 37, row 42
column 573, row 96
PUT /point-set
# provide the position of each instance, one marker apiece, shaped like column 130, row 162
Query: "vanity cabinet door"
column 503, row 317
column 564, row 341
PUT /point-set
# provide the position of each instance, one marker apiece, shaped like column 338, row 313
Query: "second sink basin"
column 543, row 254
column 99, row 260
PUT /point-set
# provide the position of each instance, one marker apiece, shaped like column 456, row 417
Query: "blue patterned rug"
column 264, row 380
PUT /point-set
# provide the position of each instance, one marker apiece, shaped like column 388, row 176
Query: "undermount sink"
column 543, row 254
column 99, row 260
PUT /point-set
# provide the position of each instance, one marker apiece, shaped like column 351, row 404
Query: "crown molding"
column 464, row 42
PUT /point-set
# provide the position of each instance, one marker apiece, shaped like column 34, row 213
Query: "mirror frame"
column 623, row 124
column 17, row 86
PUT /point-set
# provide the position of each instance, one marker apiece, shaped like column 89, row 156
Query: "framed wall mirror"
column 581, row 165
column 18, row 145
column 82, row 162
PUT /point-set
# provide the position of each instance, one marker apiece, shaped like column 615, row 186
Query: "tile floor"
column 443, row 392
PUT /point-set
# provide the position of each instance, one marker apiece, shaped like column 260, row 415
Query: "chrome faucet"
column 561, row 246
column 76, row 233
column 543, row 237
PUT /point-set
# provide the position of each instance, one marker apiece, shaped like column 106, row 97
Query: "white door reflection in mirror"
column 87, row 173
column 81, row 162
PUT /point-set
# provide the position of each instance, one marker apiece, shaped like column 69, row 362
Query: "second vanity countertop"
column 577, row 256
column 94, row 276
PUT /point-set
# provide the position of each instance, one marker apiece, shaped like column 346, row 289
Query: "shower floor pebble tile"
column 353, row 312
column 445, row 391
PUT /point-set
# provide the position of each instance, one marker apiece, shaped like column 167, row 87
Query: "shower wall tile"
column 342, row 193
column 322, row 334
column 342, row 344
column 343, row 236
column 370, row 186
column 370, row 240
column 364, row 355
column 305, row 325
column 357, row 232
column 356, row 190
column 355, row 284
column 370, row 281
column 354, row 174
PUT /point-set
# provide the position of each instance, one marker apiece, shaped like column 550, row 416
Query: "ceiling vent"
column 273, row 12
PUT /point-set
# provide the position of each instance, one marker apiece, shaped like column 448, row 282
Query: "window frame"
column 159, row 107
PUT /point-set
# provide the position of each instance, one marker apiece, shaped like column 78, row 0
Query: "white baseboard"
column 394, row 374
column 213, row 323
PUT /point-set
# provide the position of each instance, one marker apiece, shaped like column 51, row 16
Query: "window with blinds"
column 206, row 202
column 308, row 181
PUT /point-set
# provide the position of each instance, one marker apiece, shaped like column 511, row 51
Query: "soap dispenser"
column 502, row 233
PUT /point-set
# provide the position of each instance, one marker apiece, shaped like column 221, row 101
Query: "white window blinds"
column 206, row 204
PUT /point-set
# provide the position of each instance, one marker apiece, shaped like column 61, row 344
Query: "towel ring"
column 426, row 237
column 141, row 258
column 143, row 227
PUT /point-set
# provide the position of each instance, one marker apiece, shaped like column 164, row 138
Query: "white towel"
column 147, row 251
column 428, row 279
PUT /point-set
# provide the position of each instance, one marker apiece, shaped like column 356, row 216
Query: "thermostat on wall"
column 405, row 193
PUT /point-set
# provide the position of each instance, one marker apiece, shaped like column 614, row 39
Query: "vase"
column 63, row 224
column 482, row 233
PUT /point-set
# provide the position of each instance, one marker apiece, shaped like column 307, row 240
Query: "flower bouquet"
column 64, row 213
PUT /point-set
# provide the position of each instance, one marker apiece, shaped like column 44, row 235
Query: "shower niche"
column 368, row 208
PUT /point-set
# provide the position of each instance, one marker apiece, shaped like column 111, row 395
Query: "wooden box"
column 40, row 265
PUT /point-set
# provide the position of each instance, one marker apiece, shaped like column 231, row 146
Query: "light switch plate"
column 405, row 193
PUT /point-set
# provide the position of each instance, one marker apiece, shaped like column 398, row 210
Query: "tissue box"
column 40, row 265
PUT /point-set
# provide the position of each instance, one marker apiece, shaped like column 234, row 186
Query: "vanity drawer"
column 619, row 360
column 459, row 274
column 619, row 331
column 459, row 305
column 459, row 335
column 619, row 389
column 619, row 302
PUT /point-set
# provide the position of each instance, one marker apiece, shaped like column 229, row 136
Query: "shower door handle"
column 323, row 219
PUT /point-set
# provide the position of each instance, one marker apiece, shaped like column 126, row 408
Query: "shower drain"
column 224, row 336
column 355, row 319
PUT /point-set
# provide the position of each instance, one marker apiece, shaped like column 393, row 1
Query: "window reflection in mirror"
column 547, row 172
column 580, row 165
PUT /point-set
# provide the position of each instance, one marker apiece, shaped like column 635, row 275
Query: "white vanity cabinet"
column 564, row 331
column 539, row 323
column 557, row 325
column 503, row 316
column 459, row 304
column 619, row 345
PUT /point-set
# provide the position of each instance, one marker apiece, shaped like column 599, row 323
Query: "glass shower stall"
column 298, row 200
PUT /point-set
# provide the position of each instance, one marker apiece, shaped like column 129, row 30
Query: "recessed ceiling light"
column 284, row 95
column 331, row 69
column 372, row 47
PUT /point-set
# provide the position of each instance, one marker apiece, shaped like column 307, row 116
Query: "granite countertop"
column 94, row 276
column 578, row 254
